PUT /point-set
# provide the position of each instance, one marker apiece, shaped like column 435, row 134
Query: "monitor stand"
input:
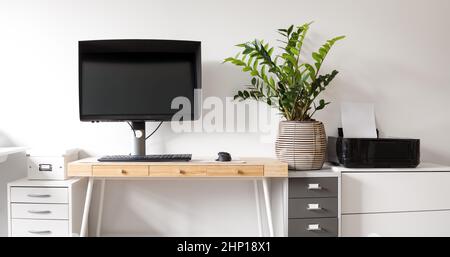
column 139, row 139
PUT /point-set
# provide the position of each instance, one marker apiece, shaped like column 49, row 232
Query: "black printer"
column 373, row 152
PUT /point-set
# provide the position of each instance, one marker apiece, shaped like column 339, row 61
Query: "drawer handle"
column 314, row 227
column 39, row 212
column 314, row 186
column 39, row 195
column 40, row 232
column 123, row 171
column 181, row 171
column 313, row 207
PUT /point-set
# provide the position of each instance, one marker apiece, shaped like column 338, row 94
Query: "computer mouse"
column 224, row 157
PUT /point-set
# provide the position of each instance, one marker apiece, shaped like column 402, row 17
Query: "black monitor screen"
column 135, row 85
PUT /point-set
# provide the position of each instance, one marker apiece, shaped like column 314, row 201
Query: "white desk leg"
column 100, row 207
column 265, row 183
column 258, row 207
column 87, row 205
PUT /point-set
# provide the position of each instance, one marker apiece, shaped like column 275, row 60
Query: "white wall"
column 395, row 55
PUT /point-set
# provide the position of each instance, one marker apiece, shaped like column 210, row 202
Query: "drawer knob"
column 314, row 186
column 313, row 207
column 39, row 212
column 123, row 171
column 314, row 227
column 181, row 171
column 39, row 195
column 40, row 232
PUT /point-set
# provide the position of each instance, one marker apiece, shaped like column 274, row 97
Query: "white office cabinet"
column 45, row 208
column 395, row 203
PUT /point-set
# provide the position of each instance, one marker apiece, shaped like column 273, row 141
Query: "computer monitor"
column 137, row 80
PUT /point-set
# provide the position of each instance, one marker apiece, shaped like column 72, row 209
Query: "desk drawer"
column 177, row 171
column 39, row 195
column 235, row 171
column 39, row 211
column 39, row 228
column 313, row 208
column 325, row 227
column 395, row 192
column 313, row 187
column 120, row 171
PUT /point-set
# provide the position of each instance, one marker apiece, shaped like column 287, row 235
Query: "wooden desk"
column 256, row 169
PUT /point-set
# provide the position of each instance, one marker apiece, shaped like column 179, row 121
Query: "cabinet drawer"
column 313, row 208
column 120, row 171
column 235, row 171
column 39, row 211
column 177, row 171
column 325, row 227
column 39, row 195
column 313, row 187
column 411, row 224
column 39, row 228
column 395, row 192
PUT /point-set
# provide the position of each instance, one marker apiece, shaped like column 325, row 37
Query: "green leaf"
column 263, row 70
column 229, row 59
column 247, row 50
column 272, row 82
column 289, row 30
column 250, row 60
column 255, row 64
column 253, row 81
column 294, row 51
column 317, row 57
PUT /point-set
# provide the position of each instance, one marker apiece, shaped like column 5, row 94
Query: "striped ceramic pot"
column 302, row 144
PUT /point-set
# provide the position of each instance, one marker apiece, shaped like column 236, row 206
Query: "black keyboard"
column 147, row 158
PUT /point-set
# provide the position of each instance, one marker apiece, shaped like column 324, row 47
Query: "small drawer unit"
column 313, row 206
column 39, row 208
column 49, row 166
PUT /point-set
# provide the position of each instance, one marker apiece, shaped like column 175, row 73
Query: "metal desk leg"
column 265, row 183
column 87, row 205
column 100, row 207
column 258, row 208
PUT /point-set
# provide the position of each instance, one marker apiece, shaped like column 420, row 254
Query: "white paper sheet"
column 358, row 120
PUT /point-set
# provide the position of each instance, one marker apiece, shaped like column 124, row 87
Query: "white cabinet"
column 403, row 203
column 45, row 208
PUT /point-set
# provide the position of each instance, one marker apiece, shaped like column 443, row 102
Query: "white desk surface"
column 335, row 171
column 423, row 167
column 24, row 182
column 11, row 150
column 5, row 151
column 326, row 171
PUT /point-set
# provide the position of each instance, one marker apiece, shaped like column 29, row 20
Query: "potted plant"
column 287, row 82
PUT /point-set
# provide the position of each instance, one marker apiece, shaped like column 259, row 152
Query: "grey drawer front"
column 299, row 227
column 298, row 187
column 307, row 208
